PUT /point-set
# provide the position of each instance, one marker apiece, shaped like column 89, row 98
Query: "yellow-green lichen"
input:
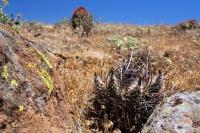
column 5, row 72
column 47, row 80
column 31, row 65
column 20, row 108
column 43, row 58
column 14, row 83
column 167, row 110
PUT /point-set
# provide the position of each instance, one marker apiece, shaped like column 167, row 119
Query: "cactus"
column 128, row 97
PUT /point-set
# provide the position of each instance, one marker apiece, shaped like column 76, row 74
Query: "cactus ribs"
column 128, row 97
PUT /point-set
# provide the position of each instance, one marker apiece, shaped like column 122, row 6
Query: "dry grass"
column 85, row 56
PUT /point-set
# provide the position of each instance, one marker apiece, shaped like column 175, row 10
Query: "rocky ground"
column 47, row 71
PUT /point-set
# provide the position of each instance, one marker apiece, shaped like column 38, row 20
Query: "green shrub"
column 3, row 16
column 127, row 41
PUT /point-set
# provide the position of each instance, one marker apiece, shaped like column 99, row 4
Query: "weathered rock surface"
column 179, row 113
column 31, row 99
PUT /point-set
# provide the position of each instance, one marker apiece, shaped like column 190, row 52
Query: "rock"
column 30, row 88
column 188, row 25
column 179, row 113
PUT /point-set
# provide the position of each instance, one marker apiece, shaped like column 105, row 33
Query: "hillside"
column 75, row 59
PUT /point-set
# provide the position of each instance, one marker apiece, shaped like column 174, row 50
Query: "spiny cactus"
column 128, row 97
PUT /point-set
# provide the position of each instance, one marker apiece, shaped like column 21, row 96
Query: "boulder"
column 188, row 25
column 179, row 113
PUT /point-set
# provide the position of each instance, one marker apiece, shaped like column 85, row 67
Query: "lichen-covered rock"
column 179, row 113
column 30, row 91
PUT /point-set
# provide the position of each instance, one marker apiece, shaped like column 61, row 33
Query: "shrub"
column 13, row 22
column 3, row 16
column 127, row 42
column 82, row 18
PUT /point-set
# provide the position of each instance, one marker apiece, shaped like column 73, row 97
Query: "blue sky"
column 115, row 11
